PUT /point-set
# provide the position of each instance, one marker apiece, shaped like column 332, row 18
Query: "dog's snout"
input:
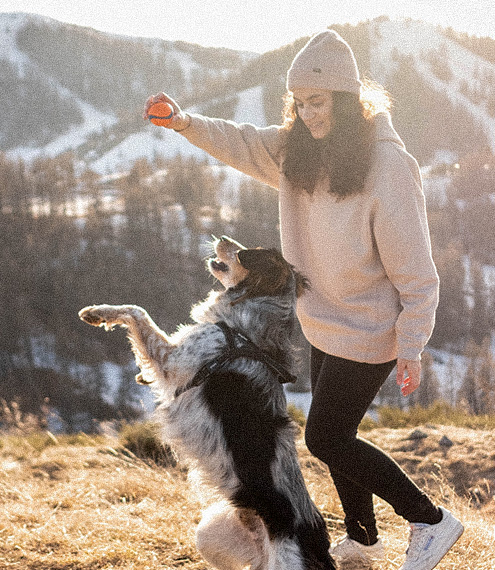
column 229, row 244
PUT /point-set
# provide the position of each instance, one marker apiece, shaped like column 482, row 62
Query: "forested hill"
column 142, row 237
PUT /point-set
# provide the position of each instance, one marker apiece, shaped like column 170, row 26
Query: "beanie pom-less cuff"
column 325, row 62
column 309, row 78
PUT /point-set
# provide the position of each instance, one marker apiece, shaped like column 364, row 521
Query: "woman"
column 353, row 220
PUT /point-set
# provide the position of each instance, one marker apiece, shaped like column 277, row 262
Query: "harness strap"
column 238, row 346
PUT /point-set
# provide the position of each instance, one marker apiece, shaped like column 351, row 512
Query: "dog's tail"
column 312, row 538
column 287, row 554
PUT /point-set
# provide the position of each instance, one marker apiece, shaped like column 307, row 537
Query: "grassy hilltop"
column 88, row 503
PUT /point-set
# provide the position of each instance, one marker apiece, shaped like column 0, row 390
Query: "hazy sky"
column 256, row 25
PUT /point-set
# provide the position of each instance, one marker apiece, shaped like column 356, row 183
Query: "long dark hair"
column 344, row 155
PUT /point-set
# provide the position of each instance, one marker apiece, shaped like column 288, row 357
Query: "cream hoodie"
column 374, row 286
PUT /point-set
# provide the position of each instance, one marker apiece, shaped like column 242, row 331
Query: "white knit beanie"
column 325, row 62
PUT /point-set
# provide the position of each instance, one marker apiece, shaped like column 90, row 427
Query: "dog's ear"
column 252, row 259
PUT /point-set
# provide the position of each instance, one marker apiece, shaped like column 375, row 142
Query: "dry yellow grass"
column 89, row 505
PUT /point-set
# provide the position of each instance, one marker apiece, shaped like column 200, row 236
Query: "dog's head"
column 254, row 272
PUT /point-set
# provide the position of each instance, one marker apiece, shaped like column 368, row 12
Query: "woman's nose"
column 306, row 113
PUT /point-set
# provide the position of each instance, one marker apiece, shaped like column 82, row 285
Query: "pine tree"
column 468, row 393
column 486, row 377
column 452, row 378
column 428, row 392
column 478, row 387
column 452, row 312
column 480, row 322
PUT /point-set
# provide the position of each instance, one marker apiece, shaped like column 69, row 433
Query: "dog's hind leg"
column 149, row 344
column 228, row 543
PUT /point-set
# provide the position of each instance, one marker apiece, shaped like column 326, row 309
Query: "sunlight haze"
column 257, row 25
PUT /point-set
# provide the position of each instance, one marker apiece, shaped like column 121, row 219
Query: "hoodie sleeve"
column 252, row 150
column 403, row 241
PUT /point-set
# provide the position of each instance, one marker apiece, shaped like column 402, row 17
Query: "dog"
column 222, row 406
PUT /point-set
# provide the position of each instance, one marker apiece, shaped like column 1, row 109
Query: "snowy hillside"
column 93, row 120
column 154, row 141
column 422, row 41
column 32, row 55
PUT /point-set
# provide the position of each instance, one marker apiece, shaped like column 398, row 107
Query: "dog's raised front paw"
column 99, row 315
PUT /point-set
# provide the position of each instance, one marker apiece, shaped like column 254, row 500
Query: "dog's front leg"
column 149, row 344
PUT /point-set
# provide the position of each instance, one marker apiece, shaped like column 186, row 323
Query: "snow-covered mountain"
column 68, row 88
column 89, row 99
column 464, row 78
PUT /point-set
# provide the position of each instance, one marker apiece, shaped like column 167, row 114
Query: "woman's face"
column 314, row 107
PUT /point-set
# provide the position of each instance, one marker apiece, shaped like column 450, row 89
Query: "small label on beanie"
column 317, row 69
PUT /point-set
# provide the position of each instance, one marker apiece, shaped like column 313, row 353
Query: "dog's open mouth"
column 218, row 265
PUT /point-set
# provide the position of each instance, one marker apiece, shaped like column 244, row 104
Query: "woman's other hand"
column 408, row 375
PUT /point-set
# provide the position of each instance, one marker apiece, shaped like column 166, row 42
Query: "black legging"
column 342, row 392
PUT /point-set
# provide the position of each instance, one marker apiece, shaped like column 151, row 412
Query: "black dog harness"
column 238, row 346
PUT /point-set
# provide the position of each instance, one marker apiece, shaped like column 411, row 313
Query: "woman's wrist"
column 187, row 120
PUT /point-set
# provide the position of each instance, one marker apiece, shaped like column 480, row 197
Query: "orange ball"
column 160, row 114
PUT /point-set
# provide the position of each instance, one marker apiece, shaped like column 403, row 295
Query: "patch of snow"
column 301, row 400
column 94, row 122
column 450, row 370
column 489, row 277
column 251, row 107
column 43, row 352
column 187, row 65
column 148, row 143
column 10, row 24
column 443, row 156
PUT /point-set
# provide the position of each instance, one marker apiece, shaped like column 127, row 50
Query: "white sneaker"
column 429, row 543
column 350, row 554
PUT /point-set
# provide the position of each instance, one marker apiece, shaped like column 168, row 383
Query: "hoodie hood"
column 384, row 130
